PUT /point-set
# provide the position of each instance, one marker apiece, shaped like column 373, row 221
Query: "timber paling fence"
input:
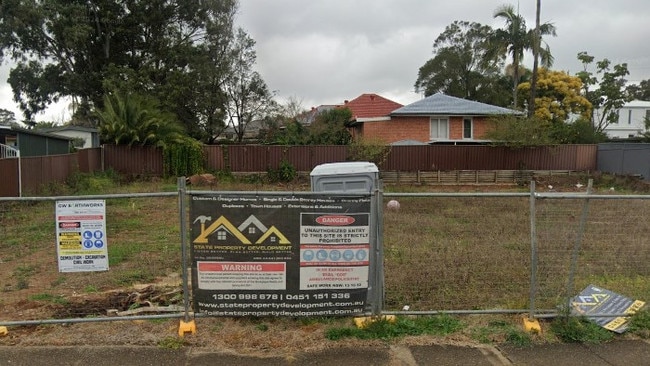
column 455, row 253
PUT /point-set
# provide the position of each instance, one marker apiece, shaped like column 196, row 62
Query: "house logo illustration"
column 252, row 230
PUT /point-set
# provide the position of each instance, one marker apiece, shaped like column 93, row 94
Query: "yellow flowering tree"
column 558, row 96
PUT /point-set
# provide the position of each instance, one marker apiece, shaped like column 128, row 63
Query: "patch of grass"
column 59, row 280
column 129, row 277
column 519, row 338
column 403, row 326
column 56, row 299
column 262, row 327
column 90, row 289
column 22, row 275
column 579, row 330
column 171, row 343
column 121, row 252
column 93, row 183
column 640, row 324
column 499, row 329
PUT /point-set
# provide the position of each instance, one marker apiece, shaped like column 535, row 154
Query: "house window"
column 467, row 128
column 439, row 128
column 251, row 230
column 629, row 117
column 221, row 235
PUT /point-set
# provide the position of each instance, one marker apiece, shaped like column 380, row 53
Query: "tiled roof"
column 441, row 104
column 371, row 105
column 308, row 117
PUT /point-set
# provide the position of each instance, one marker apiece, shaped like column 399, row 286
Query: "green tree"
column 640, row 91
column 463, row 67
column 515, row 39
column 79, row 49
column 281, row 130
column 519, row 132
column 369, row 149
column 45, row 124
column 330, row 127
column 7, row 117
column 609, row 94
column 576, row 132
column 249, row 98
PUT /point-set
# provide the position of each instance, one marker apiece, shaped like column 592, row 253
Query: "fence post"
column 576, row 247
column 186, row 325
column 533, row 252
column 377, row 270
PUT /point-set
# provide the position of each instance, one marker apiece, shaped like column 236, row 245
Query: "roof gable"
column 371, row 105
column 441, row 104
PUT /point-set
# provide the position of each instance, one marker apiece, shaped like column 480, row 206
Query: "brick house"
column 438, row 118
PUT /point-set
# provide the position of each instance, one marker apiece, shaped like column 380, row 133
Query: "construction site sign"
column 596, row 303
column 271, row 255
column 81, row 236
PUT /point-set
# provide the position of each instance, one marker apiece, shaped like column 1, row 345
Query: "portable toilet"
column 357, row 176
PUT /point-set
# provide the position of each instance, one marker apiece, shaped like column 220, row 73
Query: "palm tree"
column 131, row 119
column 515, row 38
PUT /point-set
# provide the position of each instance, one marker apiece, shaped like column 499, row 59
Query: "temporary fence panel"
column 144, row 258
column 456, row 251
column 594, row 239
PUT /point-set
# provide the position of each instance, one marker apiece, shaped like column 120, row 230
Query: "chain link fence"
column 144, row 257
column 528, row 251
column 474, row 252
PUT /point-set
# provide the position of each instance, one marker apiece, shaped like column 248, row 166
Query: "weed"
column 579, row 330
column 95, row 183
column 56, row 299
column 133, row 276
column 90, row 289
column 640, row 324
column 519, row 338
column 286, row 172
column 59, row 280
column 386, row 330
column 262, row 327
column 501, row 331
column 171, row 343
column 22, row 274
column 22, row 283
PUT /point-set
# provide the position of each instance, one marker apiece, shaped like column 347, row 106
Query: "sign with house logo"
column 596, row 302
column 81, row 235
column 273, row 255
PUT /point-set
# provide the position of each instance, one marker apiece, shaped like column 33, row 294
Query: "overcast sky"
column 328, row 51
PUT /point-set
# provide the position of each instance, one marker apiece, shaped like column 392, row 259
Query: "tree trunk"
column 536, row 44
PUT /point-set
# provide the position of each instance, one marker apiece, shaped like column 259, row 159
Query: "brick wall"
column 417, row 128
column 396, row 129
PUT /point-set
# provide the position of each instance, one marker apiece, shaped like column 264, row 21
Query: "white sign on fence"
column 81, row 236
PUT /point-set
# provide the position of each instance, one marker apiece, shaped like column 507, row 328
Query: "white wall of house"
column 86, row 136
column 631, row 120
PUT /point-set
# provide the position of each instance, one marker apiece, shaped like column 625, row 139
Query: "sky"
column 328, row 51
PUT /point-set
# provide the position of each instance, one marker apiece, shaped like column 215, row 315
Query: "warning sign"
column 81, row 235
